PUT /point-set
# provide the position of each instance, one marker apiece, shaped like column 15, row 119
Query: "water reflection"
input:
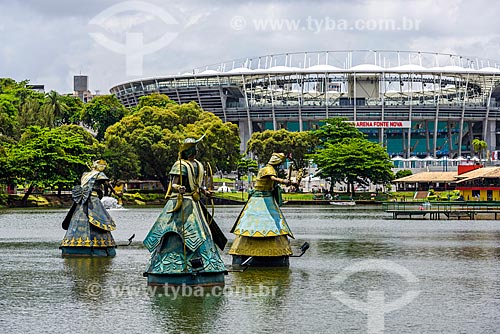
column 186, row 309
column 269, row 286
column 456, row 263
column 194, row 314
column 354, row 248
column 88, row 275
column 457, row 248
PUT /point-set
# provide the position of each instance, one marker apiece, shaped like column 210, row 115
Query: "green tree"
column 154, row 100
column 5, row 175
column 49, row 111
column 8, row 115
column 354, row 161
column 101, row 112
column 50, row 157
column 32, row 114
column 7, row 84
column 402, row 173
column 297, row 145
column 335, row 130
column 154, row 132
column 245, row 166
column 19, row 107
column 479, row 146
column 55, row 108
column 73, row 111
column 123, row 162
column 221, row 145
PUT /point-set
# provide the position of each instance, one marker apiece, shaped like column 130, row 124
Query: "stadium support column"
column 223, row 99
column 489, row 137
column 326, row 94
column 427, row 136
column 275, row 125
column 382, row 111
column 461, row 130
column 176, row 85
column 354, row 97
column 450, row 137
column 470, row 126
column 408, row 147
column 249, row 119
column 198, row 93
column 301, row 101
column 436, row 119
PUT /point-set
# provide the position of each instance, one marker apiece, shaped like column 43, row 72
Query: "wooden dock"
column 443, row 210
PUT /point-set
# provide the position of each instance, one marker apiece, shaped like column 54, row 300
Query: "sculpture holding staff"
column 184, row 239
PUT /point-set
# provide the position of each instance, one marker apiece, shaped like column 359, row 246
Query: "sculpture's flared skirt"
column 89, row 231
column 265, row 252
column 183, row 251
column 68, row 251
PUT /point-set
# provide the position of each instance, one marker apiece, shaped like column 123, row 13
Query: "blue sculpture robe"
column 180, row 236
column 88, row 223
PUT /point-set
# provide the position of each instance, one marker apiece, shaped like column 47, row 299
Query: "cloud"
column 50, row 41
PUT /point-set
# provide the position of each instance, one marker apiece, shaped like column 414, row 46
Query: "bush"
column 3, row 199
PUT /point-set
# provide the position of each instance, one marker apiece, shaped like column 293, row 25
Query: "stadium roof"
column 362, row 68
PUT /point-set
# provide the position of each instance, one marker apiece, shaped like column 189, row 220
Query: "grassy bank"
column 158, row 198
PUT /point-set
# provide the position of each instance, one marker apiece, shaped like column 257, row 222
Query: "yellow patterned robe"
column 261, row 228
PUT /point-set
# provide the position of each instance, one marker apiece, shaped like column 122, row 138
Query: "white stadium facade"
column 414, row 103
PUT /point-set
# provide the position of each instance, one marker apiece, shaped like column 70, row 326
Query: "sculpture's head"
column 188, row 147
column 277, row 159
column 99, row 165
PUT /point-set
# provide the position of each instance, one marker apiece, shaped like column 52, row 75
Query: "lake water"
column 364, row 273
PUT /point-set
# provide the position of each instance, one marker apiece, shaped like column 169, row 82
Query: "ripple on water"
column 455, row 264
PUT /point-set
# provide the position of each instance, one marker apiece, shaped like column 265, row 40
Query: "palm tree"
column 55, row 106
column 31, row 113
column 479, row 146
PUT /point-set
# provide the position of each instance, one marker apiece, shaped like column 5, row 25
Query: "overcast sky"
column 49, row 41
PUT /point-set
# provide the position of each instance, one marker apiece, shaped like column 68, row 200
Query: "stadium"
column 417, row 104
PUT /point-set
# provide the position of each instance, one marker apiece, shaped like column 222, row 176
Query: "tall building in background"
column 81, row 88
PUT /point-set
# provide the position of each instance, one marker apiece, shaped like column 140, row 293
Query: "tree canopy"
column 294, row 144
column 479, row 146
column 47, row 157
column 21, row 107
column 154, row 100
column 245, row 166
column 152, row 135
column 354, row 161
column 38, row 148
column 402, row 173
column 101, row 112
column 335, row 130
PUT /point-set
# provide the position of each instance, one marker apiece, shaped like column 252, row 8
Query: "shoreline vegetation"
column 158, row 199
column 137, row 199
